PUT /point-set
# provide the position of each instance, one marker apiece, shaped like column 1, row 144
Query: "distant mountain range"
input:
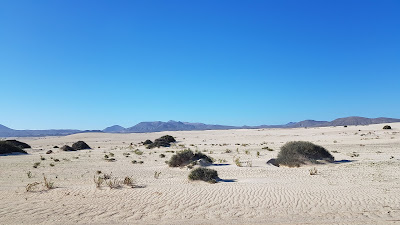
column 157, row 126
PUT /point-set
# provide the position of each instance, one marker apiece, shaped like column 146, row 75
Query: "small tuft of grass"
column 47, row 183
column 36, row 165
column 138, row 152
column 157, row 174
column 313, row 171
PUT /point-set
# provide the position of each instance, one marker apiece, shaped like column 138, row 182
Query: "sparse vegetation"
column 36, row 165
column 204, row 174
column 128, row 181
column 162, row 155
column 296, row 153
column 114, row 183
column 29, row 174
column 354, row 154
column 267, row 148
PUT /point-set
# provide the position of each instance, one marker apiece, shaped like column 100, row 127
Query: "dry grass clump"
column 47, row 184
column 186, row 157
column 296, row 153
column 32, row 186
column 204, row 174
column 111, row 182
column 313, row 171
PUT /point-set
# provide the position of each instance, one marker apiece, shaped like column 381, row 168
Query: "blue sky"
column 92, row 64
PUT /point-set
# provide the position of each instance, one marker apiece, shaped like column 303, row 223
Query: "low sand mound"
column 296, row 153
column 18, row 144
column 80, row 145
column 6, row 148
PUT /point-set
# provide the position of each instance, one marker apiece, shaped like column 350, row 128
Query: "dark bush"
column 157, row 144
column 18, row 144
column 67, row 148
column 166, row 138
column 204, row 174
column 186, row 157
column 6, row 148
column 199, row 155
column 296, row 153
column 80, row 145
column 164, row 141
column 55, row 146
column 49, row 152
column 387, row 127
column 181, row 158
column 147, row 142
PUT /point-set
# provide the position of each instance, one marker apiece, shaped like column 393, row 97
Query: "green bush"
column 6, row 148
column 204, row 174
column 181, row 158
column 296, row 153
column 186, row 157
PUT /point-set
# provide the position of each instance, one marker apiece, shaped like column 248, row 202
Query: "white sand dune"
column 362, row 189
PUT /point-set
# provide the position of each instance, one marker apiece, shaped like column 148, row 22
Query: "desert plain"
column 362, row 186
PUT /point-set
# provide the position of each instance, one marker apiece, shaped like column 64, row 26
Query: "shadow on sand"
column 227, row 180
column 343, row 161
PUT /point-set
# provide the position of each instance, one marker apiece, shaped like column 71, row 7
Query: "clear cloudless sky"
column 91, row 64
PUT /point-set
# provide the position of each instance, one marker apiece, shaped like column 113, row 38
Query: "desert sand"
column 361, row 187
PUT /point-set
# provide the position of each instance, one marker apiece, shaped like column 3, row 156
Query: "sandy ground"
column 362, row 187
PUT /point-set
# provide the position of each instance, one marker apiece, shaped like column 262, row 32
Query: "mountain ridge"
column 158, row 126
